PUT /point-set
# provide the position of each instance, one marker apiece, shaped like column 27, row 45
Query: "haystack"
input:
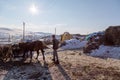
column 112, row 35
column 66, row 36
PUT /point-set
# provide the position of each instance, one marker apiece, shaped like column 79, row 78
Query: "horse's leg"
column 11, row 55
column 37, row 54
column 43, row 54
column 23, row 54
column 27, row 54
column 31, row 56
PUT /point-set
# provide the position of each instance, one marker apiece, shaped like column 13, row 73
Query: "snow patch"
column 106, row 52
column 74, row 44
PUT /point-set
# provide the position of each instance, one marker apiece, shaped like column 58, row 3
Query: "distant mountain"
column 5, row 32
column 6, row 29
column 10, row 31
column 42, row 33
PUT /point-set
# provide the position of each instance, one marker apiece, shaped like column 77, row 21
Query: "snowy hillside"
column 10, row 31
column 17, row 34
column 20, row 32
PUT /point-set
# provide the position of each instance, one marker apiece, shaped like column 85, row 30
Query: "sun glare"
column 33, row 9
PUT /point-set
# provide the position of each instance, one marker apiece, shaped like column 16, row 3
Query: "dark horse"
column 32, row 46
column 5, row 52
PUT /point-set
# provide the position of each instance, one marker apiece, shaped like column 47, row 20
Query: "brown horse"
column 32, row 46
column 16, row 51
column 5, row 52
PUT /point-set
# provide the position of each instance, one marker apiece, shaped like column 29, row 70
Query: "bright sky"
column 74, row 16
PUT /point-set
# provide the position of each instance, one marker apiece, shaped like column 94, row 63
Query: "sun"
column 33, row 9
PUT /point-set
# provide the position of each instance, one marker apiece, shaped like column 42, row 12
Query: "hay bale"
column 112, row 35
column 90, row 46
column 66, row 36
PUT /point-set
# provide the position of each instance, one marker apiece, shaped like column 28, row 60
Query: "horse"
column 32, row 46
column 5, row 52
column 16, row 51
column 1, row 53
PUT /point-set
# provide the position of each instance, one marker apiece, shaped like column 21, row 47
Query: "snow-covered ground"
column 73, row 66
column 107, row 52
column 74, row 44
column 29, row 71
column 103, row 51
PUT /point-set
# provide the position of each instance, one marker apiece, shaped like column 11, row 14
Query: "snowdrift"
column 106, row 52
column 74, row 44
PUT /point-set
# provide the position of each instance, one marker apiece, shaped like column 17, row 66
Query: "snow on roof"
column 66, row 33
column 94, row 34
column 74, row 44
column 106, row 52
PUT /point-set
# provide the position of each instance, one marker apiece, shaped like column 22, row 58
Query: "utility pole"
column 55, row 30
column 23, row 31
column 9, row 38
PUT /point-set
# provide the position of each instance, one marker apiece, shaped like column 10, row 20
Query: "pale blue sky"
column 74, row 16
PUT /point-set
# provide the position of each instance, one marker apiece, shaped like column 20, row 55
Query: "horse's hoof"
column 44, row 59
column 53, row 60
column 57, row 62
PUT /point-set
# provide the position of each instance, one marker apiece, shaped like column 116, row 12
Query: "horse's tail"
column 44, row 45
